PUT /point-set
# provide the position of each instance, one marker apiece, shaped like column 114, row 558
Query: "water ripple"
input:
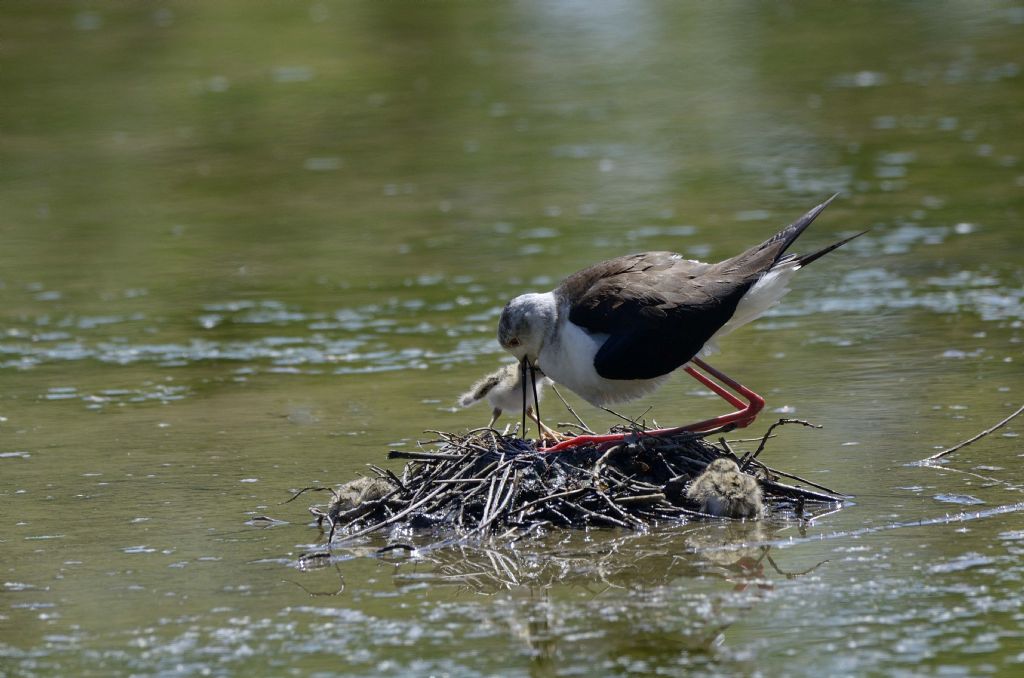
column 413, row 332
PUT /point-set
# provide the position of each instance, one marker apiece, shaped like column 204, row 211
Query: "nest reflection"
column 735, row 551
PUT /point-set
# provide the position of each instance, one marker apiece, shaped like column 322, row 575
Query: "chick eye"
column 513, row 342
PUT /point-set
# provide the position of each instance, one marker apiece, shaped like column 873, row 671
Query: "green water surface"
column 247, row 247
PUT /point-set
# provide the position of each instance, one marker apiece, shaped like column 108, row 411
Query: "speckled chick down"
column 503, row 391
column 723, row 490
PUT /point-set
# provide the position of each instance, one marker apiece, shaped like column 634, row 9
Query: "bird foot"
column 550, row 437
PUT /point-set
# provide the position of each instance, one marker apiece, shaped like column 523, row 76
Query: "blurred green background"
column 249, row 247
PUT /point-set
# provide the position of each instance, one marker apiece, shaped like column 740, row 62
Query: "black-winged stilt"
column 616, row 330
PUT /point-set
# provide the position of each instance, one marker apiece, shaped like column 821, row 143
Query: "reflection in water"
column 529, row 580
column 736, row 551
column 248, row 245
column 651, row 569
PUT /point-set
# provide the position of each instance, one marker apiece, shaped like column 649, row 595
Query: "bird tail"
column 771, row 254
column 480, row 390
column 804, row 259
column 781, row 241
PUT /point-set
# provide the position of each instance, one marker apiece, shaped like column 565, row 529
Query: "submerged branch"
column 951, row 450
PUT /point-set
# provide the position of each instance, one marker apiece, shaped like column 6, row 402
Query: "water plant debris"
column 485, row 484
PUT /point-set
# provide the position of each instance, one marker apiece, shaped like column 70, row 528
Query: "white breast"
column 569, row 360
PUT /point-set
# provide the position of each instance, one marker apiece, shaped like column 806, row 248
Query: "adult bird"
column 616, row 330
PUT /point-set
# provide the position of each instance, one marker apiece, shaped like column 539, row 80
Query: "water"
column 249, row 248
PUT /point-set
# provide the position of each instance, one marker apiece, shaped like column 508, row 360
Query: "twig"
column 595, row 471
column 780, row 489
column 565, row 402
column 502, row 505
column 633, row 520
column 749, row 440
column 310, row 489
column 781, row 422
column 593, row 514
column 797, row 478
column 395, row 547
column 558, row 495
column 484, row 486
column 395, row 517
column 458, row 481
column 634, row 423
column 423, row 456
column 641, row 499
column 388, row 473
column 1004, row 422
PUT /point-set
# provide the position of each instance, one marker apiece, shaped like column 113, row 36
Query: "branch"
column 1004, row 422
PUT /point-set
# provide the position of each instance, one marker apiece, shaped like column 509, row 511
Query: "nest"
column 484, row 484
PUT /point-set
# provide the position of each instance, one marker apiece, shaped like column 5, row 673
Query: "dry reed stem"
column 482, row 484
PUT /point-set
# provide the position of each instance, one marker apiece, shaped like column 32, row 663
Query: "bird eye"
column 513, row 342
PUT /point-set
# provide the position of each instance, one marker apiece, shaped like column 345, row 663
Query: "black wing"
column 657, row 308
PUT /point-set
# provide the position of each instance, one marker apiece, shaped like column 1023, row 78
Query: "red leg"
column 744, row 416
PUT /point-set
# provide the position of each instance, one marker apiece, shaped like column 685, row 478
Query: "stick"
column 596, row 516
column 489, row 509
column 392, row 519
column 557, row 495
column 382, row 472
column 1004, row 422
column 502, row 505
column 565, row 402
column 634, row 423
column 423, row 456
column 642, row 499
column 778, row 489
column 746, row 461
column 636, row 522
column 458, row 480
column 793, row 476
column 312, row 489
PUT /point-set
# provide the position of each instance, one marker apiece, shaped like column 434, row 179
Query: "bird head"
column 525, row 323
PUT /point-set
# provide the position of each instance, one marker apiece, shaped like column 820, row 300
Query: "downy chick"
column 503, row 390
column 723, row 490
